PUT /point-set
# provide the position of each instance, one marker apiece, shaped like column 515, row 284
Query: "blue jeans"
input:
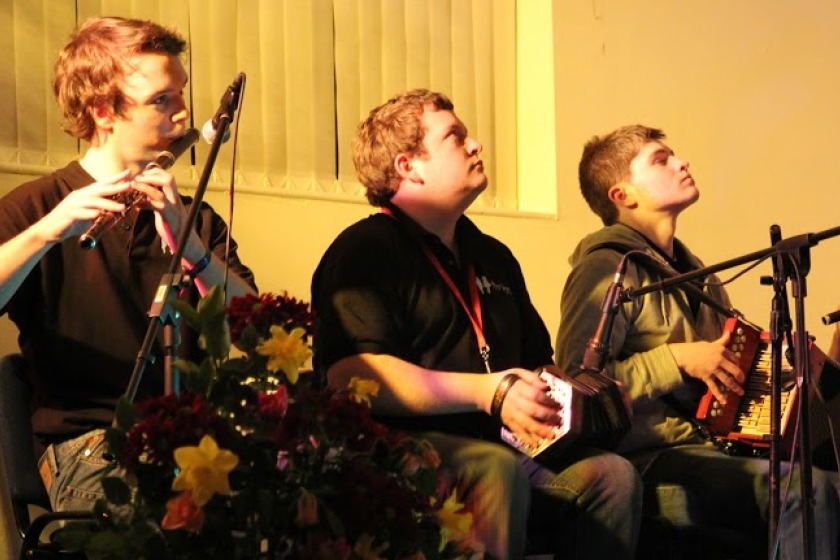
column 593, row 506
column 490, row 482
column 72, row 471
column 598, row 497
column 699, row 487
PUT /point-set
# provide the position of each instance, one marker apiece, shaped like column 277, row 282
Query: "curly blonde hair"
column 393, row 128
column 92, row 65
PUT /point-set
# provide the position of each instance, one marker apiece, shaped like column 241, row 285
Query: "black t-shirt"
column 82, row 314
column 376, row 291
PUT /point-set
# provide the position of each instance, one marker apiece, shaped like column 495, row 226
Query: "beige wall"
column 747, row 90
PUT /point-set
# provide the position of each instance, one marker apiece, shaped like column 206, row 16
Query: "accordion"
column 592, row 413
column 743, row 423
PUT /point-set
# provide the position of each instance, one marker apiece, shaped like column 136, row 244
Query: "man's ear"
column 622, row 195
column 404, row 164
column 103, row 117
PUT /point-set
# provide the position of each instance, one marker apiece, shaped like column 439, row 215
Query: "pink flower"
column 283, row 461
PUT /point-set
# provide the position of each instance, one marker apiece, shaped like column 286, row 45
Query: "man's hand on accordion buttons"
column 527, row 410
column 713, row 363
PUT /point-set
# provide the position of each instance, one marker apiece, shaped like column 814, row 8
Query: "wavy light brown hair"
column 92, row 65
column 393, row 128
column 606, row 162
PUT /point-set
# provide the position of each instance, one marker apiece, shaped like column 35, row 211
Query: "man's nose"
column 182, row 114
column 473, row 146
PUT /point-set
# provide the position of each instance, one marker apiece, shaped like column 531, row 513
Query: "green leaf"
column 106, row 545
column 125, row 414
column 73, row 536
column 188, row 313
column 248, row 339
column 190, row 375
column 185, row 366
column 199, row 380
column 215, row 334
column 150, row 539
column 333, row 522
column 116, row 490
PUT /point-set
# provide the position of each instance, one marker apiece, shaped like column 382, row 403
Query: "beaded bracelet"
column 501, row 392
column 198, row 267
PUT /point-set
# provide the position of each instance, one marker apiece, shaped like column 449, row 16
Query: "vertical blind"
column 314, row 69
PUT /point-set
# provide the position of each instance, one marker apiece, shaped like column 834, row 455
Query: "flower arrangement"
column 255, row 460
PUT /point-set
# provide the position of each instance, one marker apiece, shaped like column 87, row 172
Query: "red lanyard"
column 474, row 312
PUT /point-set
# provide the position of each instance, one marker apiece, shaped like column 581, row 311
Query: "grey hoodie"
column 640, row 358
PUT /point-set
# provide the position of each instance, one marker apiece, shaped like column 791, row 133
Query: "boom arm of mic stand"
column 690, row 288
column 792, row 245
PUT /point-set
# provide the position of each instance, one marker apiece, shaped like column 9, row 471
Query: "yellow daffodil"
column 286, row 352
column 204, row 470
column 455, row 524
column 361, row 390
column 364, row 548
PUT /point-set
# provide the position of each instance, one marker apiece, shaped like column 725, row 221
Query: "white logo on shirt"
column 487, row 287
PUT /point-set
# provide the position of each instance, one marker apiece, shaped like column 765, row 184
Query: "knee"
column 614, row 478
column 825, row 490
column 499, row 466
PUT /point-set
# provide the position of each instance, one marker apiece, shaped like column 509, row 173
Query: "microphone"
column 227, row 105
column 208, row 132
column 830, row 318
column 106, row 220
column 598, row 348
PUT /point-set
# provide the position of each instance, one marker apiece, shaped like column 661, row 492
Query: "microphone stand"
column 171, row 281
column 780, row 325
column 795, row 250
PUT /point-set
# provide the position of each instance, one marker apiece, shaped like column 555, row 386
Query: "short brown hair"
column 393, row 128
column 92, row 64
column 606, row 162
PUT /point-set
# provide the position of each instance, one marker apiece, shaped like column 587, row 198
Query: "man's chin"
column 473, row 192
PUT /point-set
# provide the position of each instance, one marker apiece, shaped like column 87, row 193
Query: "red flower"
column 321, row 546
column 307, row 509
column 182, row 513
column 265, row 310
column 272, row 406
column 169, row 422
